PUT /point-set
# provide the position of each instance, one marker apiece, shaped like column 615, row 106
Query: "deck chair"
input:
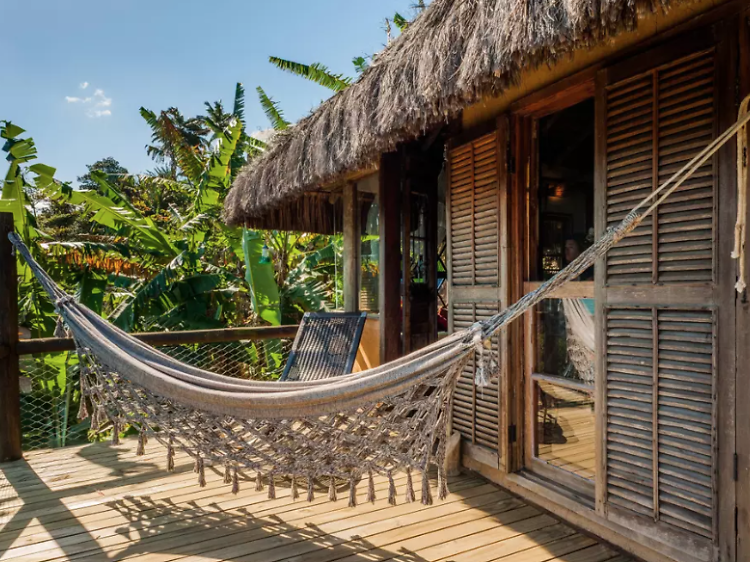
column 325, row 346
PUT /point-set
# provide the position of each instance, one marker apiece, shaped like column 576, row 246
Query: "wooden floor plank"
column 102, row 502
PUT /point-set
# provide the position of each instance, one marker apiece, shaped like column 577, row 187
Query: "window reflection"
column 565, row 340
column 566, row 188
column 564, row 384
column 369, row 252
column 565, row 428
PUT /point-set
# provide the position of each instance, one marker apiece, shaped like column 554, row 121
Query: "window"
column 561, row 330
column 369, row 252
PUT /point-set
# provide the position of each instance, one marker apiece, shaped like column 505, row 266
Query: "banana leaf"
column 264, row 292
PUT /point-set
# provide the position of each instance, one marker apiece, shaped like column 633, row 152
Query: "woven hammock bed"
column 320, row 433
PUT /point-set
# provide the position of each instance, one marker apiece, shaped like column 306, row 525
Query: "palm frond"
column 314, row 72
column 400, row 21
column 360, row 64
column 255, row 147
column 272, row 110
column 239, row 103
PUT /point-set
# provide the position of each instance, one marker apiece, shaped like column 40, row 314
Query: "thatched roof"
column 453, row 54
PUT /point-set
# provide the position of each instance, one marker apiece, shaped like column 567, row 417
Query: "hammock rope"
column 322, row 433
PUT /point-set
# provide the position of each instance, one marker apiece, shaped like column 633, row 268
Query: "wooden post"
column 351, row 248
column 389, row 193
column 406, row 300
column 10, row 405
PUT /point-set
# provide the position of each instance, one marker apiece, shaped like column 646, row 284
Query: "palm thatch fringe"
column 456, row 52
column 319, row 212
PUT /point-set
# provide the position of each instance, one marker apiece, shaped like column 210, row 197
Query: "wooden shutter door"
column 658, row 304
column 476, row 207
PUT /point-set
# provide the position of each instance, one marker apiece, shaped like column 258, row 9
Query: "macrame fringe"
column 101, row 416
column 295, row 491
column 391, row 489
column 115, row 432
column 258, row 482
column 83, row 413
column 94, row 418
column 60, row 329
column 352, row 492
column 442, row 484
column 227, row 473
column 409, row 496
column 170, row 454
column 310, row 490
column 140, row 450
column 485, row 368
column 235, row 481
column 370, row 487
column 426, row 493
column 201, row 472
column 271, row 487
column 332, row 490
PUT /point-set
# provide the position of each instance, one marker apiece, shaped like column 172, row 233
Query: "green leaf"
column 9, row 130
column 43, row 170
column 91, row 289
column 400, row 21
column 360, row 64
column 260, row 279
column 13, row 193
column 272, row 111
column 315, row 72
column 218, row 176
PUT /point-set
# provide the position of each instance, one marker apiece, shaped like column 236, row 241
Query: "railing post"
column 10, row 405
column 351, row 248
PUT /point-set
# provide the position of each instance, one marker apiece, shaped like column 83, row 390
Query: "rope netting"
column 321, row 433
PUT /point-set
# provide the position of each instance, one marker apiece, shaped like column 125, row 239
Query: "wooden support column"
column 389, row 194
column 10, row 405
column 351, row 248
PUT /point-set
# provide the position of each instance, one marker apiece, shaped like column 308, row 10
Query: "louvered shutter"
column 475, row 207
column 660, row 388
column 659, row 356
column 657, row 122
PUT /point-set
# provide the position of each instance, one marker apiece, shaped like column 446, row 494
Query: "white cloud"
column 96, row 105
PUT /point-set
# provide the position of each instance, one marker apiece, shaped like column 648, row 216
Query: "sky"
column 76, row 72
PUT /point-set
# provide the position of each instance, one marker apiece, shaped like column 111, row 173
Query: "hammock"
column 580, row 335
column 309, row 433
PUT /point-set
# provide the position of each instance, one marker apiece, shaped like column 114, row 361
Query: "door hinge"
column 512, row 433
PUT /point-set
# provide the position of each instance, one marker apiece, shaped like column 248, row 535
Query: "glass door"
column 559, row 332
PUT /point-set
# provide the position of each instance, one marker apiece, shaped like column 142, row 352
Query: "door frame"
column 525, row 115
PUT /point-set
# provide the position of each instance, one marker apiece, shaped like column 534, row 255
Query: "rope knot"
column 63, row 301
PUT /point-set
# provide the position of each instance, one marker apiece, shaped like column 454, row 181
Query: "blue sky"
column 162, row 53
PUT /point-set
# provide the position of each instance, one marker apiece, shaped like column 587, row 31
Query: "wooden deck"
column 101, row 502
